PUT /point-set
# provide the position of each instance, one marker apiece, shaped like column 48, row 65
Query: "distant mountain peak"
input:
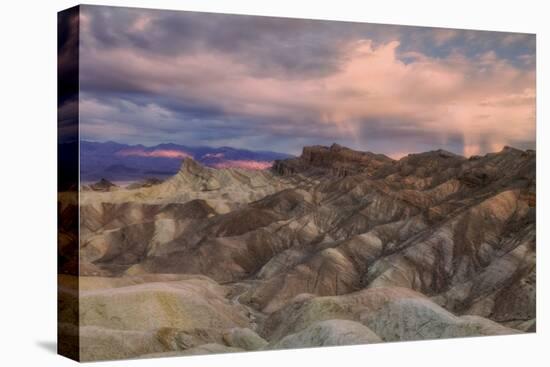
column 123, row 162
column 103, row 185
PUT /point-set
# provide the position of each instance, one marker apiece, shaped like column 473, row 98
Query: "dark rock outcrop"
column 335, row 160
column 103, row 185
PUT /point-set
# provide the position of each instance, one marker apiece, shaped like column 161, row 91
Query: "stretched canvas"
column 232, row 183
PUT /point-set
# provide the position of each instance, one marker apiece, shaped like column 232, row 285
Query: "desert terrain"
column 334, row 247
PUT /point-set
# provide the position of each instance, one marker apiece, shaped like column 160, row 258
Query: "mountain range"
column 121, row 162
column 334, row 247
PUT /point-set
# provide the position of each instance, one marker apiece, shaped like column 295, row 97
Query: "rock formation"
column 334, row 247
column 103, row 185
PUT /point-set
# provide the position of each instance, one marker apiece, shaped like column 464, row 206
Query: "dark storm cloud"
column 287, row 44
column 268, row 45
column 67, row 75
column 153, row 76
column 149, row 120
column 67, row 53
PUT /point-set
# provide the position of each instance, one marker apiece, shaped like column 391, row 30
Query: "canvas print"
column 232, row 183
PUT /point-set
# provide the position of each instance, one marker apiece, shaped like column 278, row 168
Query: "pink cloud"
column 157, row 153
column 213, row 155
column 486, row 100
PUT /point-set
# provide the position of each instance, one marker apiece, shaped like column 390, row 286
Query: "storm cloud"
column 151, row 76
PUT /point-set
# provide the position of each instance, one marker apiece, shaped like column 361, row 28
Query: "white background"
column 28, row 181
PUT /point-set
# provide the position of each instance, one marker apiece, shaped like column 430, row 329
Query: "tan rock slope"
column 334, row 247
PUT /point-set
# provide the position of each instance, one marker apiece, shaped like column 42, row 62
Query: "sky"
column 262, row 83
